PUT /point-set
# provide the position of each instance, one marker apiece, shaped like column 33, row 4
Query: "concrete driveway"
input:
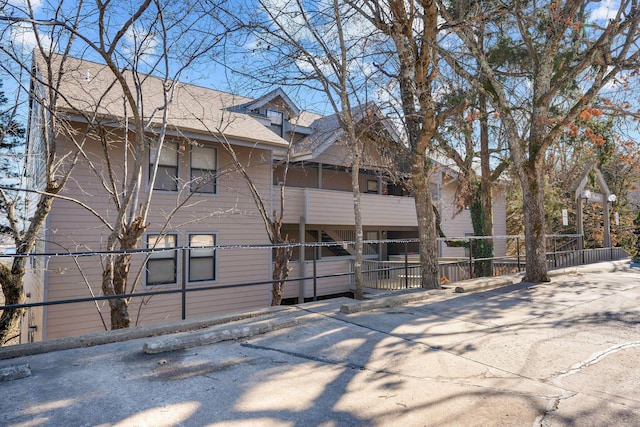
column 552, row 354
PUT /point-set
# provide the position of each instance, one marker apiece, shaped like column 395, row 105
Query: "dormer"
column 274, row 110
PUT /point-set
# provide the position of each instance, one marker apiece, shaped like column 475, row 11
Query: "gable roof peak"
column 265, row 99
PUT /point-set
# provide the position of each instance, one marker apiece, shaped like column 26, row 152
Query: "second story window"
column 277, row 121
column 167, row 176
column 203, row 169
column 162, row 265
column 372, row 186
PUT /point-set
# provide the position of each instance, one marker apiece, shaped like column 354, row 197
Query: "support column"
column 302, row 269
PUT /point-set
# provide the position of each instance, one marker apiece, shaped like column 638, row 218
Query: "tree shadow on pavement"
column 486, row 358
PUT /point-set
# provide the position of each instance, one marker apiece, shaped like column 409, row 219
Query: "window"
column 202, row 261
column 167, row 176
column 161, row 265
column 277, row 120
column 372, row 186
column 203, row 169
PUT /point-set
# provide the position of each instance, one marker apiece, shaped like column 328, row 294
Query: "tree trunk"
column 280, row 273
column 482, row 205
column 11, row 282
column 534, row 226
column 429, row 274
column 486, row 182
column 355, row 185
column 116, row 273
column 481, row 248
column 114, row 281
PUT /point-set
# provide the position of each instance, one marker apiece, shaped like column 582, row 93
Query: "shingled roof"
column 91, row 89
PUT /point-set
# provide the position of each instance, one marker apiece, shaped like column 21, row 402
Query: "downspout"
column 271, row 261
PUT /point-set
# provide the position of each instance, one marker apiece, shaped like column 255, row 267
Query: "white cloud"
column 140, row 43
column 23, row 4
column 606, row 10
column 288, row 15
column 23, row 36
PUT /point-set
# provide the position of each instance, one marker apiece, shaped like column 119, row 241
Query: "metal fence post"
column 406, row 265
column 555, row 252
column 611, row 251
column 518, row 247
column 315, row 279
column 470, row 258
column 184, row 283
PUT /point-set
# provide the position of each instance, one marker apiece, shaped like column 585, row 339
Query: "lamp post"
column 611, row 199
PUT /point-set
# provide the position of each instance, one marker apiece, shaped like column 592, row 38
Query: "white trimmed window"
column 204, row 162
column 372, row 186
column 167, row 176
column 202, row 260
column 162, row 265
column 277, row 121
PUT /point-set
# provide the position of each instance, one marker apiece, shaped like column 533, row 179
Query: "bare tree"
column 413, row 29
column 21, row 32
column 321, row 48
column 145, row 50
column 563, row 46
column 468, row 139
column 273, row 222
column 145, row 55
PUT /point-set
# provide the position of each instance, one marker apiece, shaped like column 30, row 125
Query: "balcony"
column 329, row 207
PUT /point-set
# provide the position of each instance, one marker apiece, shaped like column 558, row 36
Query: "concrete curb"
column 108, row 337
column 485, row 284
column 185, row 340
column 383, row 302
column 15, row 372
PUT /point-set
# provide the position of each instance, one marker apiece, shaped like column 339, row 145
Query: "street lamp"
column 613, row 199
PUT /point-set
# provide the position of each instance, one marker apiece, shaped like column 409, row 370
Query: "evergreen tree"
column 12, row 142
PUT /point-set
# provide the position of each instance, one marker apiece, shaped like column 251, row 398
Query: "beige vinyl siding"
column 336, row 180
column 337, row 154
column 325, row 286
column 336, row 208
column 380, row 210
column 456, row 225
column 291, row 288
column 230, row 214
column 34, row 316
column 329, row 285
column 306, row 176
column 297, row 176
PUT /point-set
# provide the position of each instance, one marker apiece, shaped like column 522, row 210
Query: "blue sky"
column 207, row 73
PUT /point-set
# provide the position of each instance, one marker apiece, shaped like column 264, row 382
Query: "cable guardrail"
column 403, row 272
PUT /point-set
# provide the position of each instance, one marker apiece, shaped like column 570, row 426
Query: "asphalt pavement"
column 562, row 353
